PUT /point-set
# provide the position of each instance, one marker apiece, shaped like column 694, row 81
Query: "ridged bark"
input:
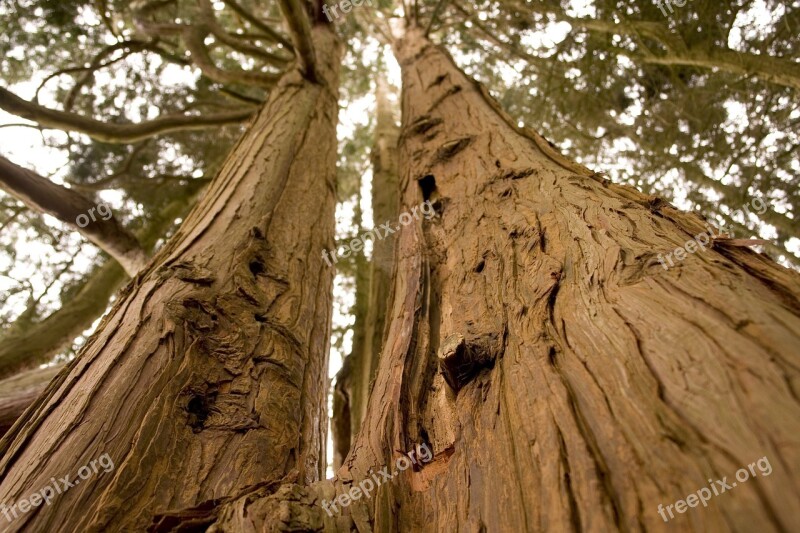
column 564, row 379
column 207, row 377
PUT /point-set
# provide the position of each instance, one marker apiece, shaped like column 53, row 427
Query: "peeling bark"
column 207, row 379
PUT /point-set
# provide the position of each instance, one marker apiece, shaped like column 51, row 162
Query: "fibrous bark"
column 208, row 376
column 591, row 384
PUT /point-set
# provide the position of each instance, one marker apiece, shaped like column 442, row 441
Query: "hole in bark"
column 428, row 185
column 551, row 356
column 198, row 408
column 256, row 267
column 260, row 318
column 438, row 206
column 479, row 267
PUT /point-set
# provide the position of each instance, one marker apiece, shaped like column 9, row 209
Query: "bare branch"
column 41, row 194
column 115, row 133
column 194, row 37
column 258, row 23
column 36, row 343
column 300, row 29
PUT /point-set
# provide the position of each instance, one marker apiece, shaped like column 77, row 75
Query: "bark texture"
column 208, row 376
column 564, row 379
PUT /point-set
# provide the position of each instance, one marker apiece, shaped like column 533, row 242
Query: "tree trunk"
column 550, row 360
column 208, row 376
column 373, row 285
column 564, row 379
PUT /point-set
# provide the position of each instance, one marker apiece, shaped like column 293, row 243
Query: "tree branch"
column 18, row 392
column 41, row 194
column 771, row 69
column 25, row 347
column 194, row 36
column 300, row 30
column 258, row 23
column 115, row 133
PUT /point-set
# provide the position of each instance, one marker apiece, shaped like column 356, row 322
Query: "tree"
column 544, row 339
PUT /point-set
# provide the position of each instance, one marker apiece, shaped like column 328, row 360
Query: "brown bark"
column 564, row 379
column 592, row 385
column 42, row 195
column 207, row 377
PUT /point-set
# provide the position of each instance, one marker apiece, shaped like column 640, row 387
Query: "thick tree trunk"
column 565, row 380
column 208, row 376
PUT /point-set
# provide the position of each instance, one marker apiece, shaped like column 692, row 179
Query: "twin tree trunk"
column 563, row 378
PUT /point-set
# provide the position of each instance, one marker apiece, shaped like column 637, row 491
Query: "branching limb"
column 41, row 194
column 300, row 29
column 194, row 36
column 29, row 346
column 258, row 23
column 115, row 133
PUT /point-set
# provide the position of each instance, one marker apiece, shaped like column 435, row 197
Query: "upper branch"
column 777, row 70
column 258, row 23
column 115, row 133
column 300, row 29
column 41, row 194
